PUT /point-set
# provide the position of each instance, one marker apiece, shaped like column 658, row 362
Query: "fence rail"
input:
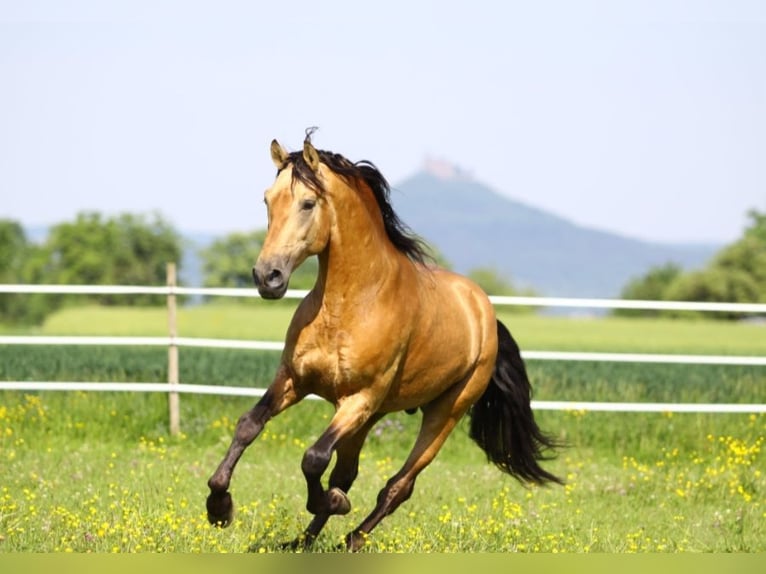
column 173, row 342
column 571, row 302
column 258, row 392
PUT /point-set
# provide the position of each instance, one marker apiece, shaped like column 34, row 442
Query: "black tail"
column 502, row 423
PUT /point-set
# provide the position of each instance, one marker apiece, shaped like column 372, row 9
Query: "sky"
column 643, row 118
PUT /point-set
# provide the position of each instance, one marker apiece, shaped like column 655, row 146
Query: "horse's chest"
column 323, row 365
column 312, row 362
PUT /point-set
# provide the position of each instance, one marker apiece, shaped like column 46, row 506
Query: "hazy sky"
column 645, row 118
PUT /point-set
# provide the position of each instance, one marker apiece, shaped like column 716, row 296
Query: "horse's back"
column 457, row 305
column 464, row 311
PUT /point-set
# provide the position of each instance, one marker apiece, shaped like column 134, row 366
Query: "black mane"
column 397, row 231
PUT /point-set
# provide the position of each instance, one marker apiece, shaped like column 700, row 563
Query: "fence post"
column 173, row 398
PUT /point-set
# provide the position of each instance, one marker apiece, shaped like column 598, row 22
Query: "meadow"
column 269, row 321
column 98, row 472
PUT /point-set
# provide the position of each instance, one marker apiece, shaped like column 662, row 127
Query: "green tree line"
column 736, row 274
column 133, row 249
column 126, row 249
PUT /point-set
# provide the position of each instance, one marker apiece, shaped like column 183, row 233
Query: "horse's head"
column 299, row 222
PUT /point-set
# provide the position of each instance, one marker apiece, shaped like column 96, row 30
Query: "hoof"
column 355, row 541
column 220, row 509
column 338, row 502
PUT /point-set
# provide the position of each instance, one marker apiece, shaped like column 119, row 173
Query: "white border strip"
column 256, row 392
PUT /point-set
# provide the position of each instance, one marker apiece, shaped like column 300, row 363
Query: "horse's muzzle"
column 270, row 280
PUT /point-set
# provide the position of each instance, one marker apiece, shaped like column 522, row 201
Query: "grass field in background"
column 98, row 472
column 552, row 380
column 268, row 321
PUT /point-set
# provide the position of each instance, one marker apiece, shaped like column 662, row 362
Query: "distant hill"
column 473, row 226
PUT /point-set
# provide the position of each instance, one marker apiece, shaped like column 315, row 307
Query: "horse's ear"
column 310, row 155
column 279, row 154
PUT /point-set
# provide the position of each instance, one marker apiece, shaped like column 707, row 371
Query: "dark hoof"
column 355, row 541
column 338, row 502
column 220, row 509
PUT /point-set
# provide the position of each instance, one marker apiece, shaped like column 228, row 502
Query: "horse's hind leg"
column 342, row 477
column 439, row 418
column 278, row 397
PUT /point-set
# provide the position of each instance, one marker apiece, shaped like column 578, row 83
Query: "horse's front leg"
column 277, row 398
column 342, row 477
column 351, row 416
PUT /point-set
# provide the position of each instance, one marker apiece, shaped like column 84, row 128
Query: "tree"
column 651, row 287
column 128, row 249
column 228, row 261
column 13, row 246
column 757, row 228
column 737, row 274
column 748, row 254
column 715, row 284
column 14, row 249
column 92, row 250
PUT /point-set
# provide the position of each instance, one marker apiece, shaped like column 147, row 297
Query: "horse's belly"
column 445, row 353
column 419, row 386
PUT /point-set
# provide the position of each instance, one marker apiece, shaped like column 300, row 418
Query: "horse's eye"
column 308, row 204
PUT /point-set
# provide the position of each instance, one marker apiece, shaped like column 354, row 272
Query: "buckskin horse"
column 382, row 330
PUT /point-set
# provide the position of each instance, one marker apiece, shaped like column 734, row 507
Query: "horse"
column 382, row 330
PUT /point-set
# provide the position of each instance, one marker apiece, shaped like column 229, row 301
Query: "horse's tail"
column 502, row 423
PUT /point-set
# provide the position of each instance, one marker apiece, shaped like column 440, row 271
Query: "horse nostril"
column 275, row 279
column 270, row 280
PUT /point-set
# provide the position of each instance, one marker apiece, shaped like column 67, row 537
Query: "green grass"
column 269, row 321
column 552, row 380
column 98, row 472
column 619, row 334
column 233, row 321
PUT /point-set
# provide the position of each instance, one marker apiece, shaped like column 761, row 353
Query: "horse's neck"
column 359, row 258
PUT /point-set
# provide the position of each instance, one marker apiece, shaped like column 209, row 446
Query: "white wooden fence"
column 173, row 387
